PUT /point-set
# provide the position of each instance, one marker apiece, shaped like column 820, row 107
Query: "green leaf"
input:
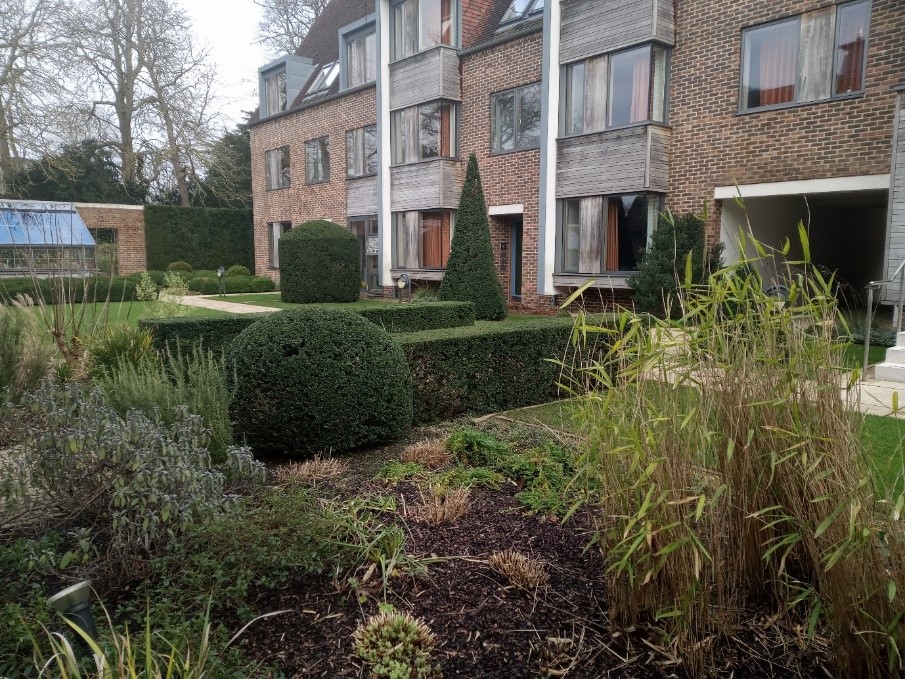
column 805, row 242
column 891, row 590
column 828, row 521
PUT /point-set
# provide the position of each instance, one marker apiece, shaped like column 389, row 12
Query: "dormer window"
column 522, row 9
column 324, row 79
column 275, row 99
column 361, row 58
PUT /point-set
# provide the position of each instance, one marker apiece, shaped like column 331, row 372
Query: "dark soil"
column 485, row 626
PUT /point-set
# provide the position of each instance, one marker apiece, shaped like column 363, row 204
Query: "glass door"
column 366, row 230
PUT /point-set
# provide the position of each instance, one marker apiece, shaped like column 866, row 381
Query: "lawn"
column 126, row 313
column 272, row 299
column 854, row 354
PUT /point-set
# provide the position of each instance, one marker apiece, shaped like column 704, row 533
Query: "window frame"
column 322, row 144
column 399, row 219
column 273, row 252
column 284, row 175
column 283, row 93
column 455, row 30
column 742, row 109
column 516, row 115
column 363, row 150
column 349, row 40
column 532, row 9
column 395, row 127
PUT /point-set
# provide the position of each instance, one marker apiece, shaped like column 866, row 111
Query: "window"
column 277, row 168
column 361, row 59
column 515, row 123
column 421, row 240
column 522, row 9
column 614, row 90
column 274, row 93
column 605, row 233
column 275, row 231
column 361, row 152
column 317, row 160
column 421, row 24
column 779, row 68
column 423, row 132
column 324, row 79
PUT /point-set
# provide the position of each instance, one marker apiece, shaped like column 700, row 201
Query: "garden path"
column 224, row 305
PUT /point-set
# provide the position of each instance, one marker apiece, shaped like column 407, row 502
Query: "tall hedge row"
column 206, row 238
column 320, row 261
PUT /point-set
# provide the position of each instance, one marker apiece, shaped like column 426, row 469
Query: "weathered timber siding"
column 665, row 16
column 425, row 77
column 897, row 200
column 361, row 196
column 590, row 27
column 426, row 186
column 603, row 163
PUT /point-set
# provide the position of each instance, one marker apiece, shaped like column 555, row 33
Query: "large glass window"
column 275, row 231
column 317, row 160
column 600, row 234
column 421, row 240
column 276, row 164
column 426, row 131
column 361, row 59
column 515, row 121
column 361, row 151
column 779, row 68
column 274, row 93
column 522, row 9
column 421, row 24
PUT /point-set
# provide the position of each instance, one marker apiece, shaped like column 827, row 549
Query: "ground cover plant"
column 753, row 493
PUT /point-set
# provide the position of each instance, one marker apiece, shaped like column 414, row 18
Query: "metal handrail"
column 897, row 277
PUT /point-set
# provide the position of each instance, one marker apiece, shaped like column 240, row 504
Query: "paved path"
column 877, row 398
column 222, row 304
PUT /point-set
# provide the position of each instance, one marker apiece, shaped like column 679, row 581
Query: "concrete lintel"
column 877, row 182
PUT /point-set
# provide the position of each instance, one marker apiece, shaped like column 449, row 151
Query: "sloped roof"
column 37, row 224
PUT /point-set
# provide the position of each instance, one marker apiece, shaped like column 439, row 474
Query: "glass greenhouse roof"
column 37, row 224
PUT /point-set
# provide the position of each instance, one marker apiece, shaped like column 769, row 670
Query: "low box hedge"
column 485, row 368
column 214, row 333
column 233, row 284
column 419, row 316
column 91, row 289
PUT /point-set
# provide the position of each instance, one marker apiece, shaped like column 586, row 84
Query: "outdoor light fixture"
column 74, row 605
column 403, row 285
column 220, row 273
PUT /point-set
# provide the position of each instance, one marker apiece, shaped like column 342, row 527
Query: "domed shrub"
column 319, row 262
column 312, row 380
column 180, row 266
column 237, row 270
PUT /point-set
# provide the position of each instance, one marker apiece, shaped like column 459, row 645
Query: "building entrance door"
column 515, row 265
column 366, row 230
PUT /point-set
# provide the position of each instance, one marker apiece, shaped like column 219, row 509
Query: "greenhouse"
column 43, row 238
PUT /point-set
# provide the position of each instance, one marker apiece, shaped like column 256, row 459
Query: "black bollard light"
column 74, row 604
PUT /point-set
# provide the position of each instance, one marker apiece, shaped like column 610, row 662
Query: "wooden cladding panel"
column 425, row 77
column 818, row 31
column 602, row 163
column 361, row 196
column 426, row 186
column 897, row 202
column 665, row 21
column 591, row 27
column 658, row 159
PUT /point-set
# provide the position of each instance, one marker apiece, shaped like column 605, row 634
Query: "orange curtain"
column 435, row 239
column 851, row 71
column 446, row 22
column 612, row 235
column 778, row 59
column 641, row 88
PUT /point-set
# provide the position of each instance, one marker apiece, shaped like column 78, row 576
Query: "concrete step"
column 890, row 372
column 900, row 339
column 895, row 355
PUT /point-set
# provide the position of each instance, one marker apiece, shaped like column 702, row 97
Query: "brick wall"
column 511, row 178
column 129, row 223
column 301, row 202
column 714, row 146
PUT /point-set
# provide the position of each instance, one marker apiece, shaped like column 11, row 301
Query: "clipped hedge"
column 485, row 368
column 218, row 332
column 206, row 238
column 94, row 289
column 318, row 380
column 232, row 284
column 320, row 261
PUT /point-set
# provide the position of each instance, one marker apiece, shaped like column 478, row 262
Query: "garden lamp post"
column 404, row 284
column 221, row 281
column 73, row 603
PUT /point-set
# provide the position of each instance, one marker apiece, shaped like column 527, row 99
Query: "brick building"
column 588, row 118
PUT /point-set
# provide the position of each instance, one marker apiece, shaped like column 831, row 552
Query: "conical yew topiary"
column 470, row 273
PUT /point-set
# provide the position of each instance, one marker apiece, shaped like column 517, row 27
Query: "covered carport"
column 846, row 220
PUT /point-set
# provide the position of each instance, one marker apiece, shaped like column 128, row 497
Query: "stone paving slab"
column 877, row 396
column 222, row 304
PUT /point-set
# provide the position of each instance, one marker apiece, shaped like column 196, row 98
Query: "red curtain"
column 435, row 239
column 850, row 77
column 778, row 60
column 446, row 22
column 612, row 235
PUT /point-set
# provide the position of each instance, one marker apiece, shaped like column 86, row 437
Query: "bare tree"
column 285, row 23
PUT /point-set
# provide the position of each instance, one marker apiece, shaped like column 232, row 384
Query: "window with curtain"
column 276, row 166
column 275, row 231
column 361, row 151
column 780, row 69
column 421, row 240
column 614, row 90
column 599, row 234
column 275, row 93
column 515, row 119
column 361, row 59
column 317, row 161
column 423, row 132
column 419, row 25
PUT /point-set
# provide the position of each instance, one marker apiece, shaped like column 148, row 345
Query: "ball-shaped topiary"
column 180, row 266
column 237, row 270
column 320, row 261
column 312, row 380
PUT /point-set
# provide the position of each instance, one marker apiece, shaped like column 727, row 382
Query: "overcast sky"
column 228, row 28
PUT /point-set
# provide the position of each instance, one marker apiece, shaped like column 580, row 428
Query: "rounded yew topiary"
column 320, row 261
column 318, row 380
